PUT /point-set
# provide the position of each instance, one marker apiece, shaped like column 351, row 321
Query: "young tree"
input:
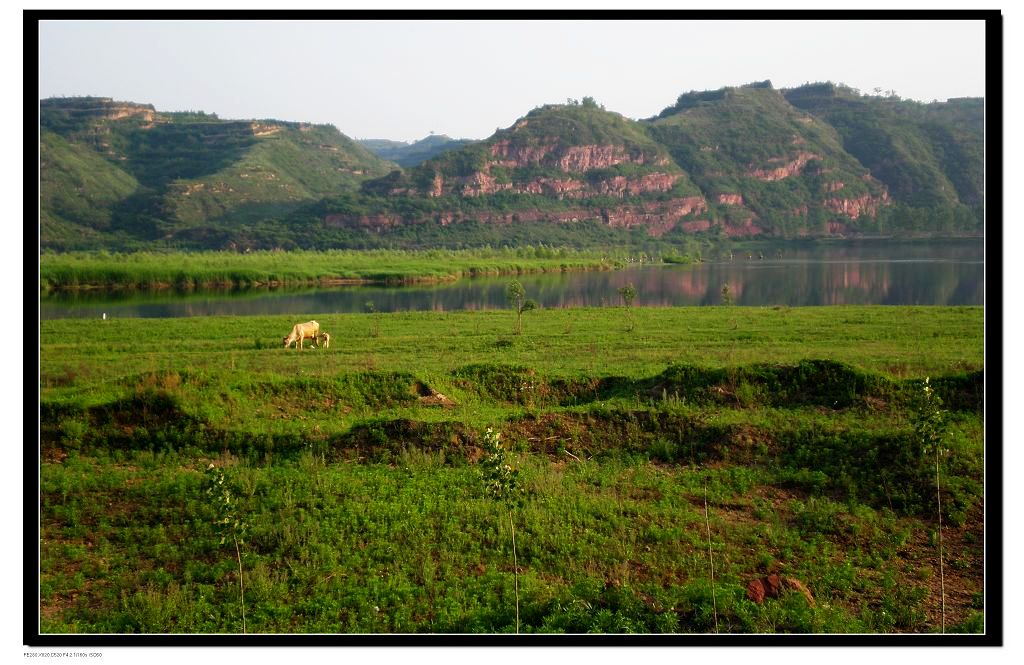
column 516, row 294
column 227, row 522
column 628, row 293
column 372, row 309
column 930, row 429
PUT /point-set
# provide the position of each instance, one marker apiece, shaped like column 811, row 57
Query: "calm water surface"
column 869, row 274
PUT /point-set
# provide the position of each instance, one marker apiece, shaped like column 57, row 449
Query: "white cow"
column 301, row 331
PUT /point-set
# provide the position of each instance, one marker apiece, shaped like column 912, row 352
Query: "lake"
column 931, row 273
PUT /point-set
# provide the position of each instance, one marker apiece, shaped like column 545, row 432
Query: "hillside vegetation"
column 929, row 156
column 137, row 176
column 756, row 156
column 817, row 161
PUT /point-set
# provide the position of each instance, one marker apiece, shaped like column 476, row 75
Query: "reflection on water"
column 913, row 274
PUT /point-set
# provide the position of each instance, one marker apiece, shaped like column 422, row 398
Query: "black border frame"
column 994, row 472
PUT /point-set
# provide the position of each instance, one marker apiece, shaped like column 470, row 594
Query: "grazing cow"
column 326, row 339
column 300, row 331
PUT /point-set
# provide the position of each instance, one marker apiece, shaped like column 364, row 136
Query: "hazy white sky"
column 403, row 79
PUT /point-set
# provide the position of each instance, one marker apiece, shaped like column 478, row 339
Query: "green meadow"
column 667, row 458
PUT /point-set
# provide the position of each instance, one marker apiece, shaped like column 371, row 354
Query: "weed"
column 901, row 606
column 974, row 623
column 73, row 432
column 747, row 395
column 501, row 483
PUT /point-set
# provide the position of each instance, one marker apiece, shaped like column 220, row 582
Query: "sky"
column 402, row 80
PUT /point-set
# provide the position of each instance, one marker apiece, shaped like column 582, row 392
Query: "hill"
column 735, row 162
column 128, row 173
column 410, row 154
column 558, row 164
column 820, row 160
column 767, row 167
column 930, row 156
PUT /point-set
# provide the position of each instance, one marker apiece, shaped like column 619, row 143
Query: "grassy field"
column 760, row 440
column 186, row 270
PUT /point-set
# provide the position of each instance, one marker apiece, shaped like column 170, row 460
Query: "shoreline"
column 84, row 272
column 193, row 285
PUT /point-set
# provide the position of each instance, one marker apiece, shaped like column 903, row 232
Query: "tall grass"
column 207, row 269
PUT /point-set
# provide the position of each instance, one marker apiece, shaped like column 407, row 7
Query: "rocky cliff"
column 656, row 217
column 96, row 108
column 865, row 204
column 565, row 153
column 482, row 183
column 788, row 167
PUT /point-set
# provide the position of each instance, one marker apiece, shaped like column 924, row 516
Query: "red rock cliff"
column 652, row 182
column 657, row 217
column 521, row 156
column 785, row 170
column 572, row 159
column 864, row 204
column 481, row 183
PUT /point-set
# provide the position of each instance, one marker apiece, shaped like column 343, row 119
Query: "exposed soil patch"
column 964, row 561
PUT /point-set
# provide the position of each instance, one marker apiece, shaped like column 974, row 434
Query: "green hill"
column 138, row 175
column 930, row 156
column 767, row 167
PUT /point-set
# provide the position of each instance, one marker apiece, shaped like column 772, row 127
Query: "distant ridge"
column 752, row 161
column 410, row 154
